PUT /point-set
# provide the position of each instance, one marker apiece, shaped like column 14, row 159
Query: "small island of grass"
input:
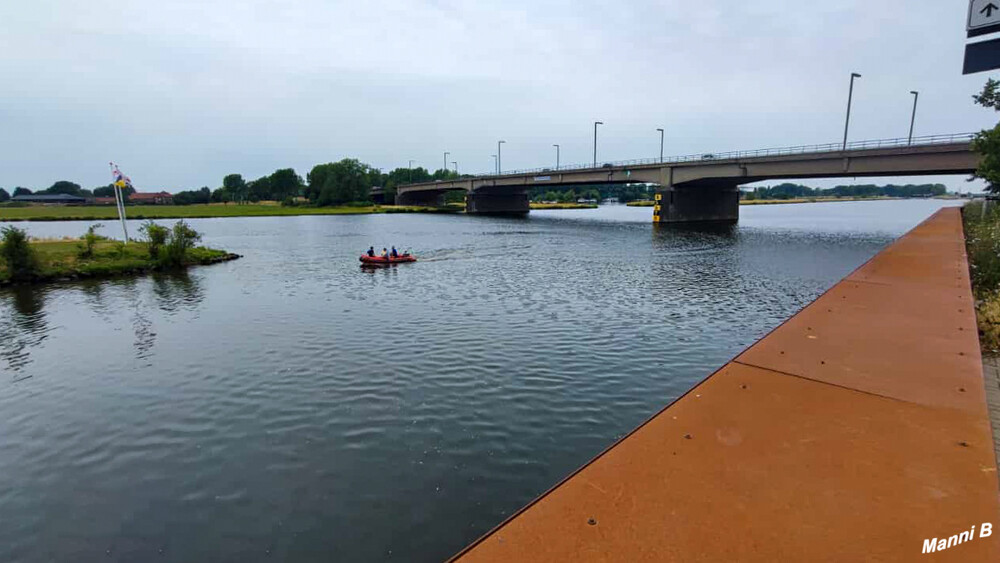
column 92, row 256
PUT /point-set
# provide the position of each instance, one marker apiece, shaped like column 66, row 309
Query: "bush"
column 982, row 239
column 90, row 238
column 16, row 251
column 182, row 239
column 156, row 236
column 119, row 249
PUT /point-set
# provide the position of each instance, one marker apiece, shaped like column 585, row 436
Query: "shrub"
column 89, row 240
column 156, row 236
column 182, row 239
column 119, row 249
column 16, row 251
column 982, row 238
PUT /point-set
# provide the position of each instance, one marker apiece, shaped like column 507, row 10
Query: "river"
column 294, row 407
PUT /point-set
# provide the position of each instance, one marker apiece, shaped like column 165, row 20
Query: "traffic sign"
column 984, row 17
column 982, row 56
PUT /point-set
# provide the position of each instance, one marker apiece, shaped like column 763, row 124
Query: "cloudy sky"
column 181, row 93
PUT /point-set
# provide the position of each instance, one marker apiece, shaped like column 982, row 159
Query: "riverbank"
column 563, row 206
column 59, row 260
column 648, row 203
column 198, row 211
column 882, row 373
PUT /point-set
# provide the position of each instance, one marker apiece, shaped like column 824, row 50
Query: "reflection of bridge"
column 704, row 187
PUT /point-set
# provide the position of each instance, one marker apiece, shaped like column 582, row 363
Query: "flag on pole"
column 120, row 182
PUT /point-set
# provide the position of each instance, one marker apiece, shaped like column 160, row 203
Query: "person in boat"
column 394, row 254
column 385, row 254
column 371, row 252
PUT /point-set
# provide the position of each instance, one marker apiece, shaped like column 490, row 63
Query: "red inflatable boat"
column 379, row 261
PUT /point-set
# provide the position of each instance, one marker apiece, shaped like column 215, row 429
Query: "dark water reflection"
column 292, row 405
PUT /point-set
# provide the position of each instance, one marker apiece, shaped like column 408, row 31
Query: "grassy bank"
column 647, row 203
column 564, row 206
column 198, row 211
column 60, row 260
column 982, row 241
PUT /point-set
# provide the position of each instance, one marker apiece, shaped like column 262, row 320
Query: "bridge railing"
column 757, row 153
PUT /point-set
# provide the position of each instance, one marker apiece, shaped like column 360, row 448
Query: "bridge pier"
column 421, row 198
column 706, row 203
column 508, row 202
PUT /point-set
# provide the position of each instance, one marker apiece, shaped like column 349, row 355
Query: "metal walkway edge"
column 856, row 430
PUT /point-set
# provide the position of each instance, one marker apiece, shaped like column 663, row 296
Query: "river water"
column 292, row 406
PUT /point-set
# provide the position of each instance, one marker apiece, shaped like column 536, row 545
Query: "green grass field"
column 74, row 213
column 60, row 259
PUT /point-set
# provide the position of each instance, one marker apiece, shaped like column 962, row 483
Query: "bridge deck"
column 854, row 431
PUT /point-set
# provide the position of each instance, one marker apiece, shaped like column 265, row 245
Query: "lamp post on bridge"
column 445, row 167
column 410, row 168
column 661, row 143
column 498, row 156
column 455, row 164
column 596, row 123
column 557, row 156
column 913, row 118
column 850, row 95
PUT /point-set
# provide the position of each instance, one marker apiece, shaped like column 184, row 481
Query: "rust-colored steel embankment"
column 853, row 432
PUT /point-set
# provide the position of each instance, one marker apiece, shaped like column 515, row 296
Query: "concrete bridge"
column 704, row 187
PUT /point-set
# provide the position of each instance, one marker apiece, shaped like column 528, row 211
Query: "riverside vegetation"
column 26, row 261
column 982, row 240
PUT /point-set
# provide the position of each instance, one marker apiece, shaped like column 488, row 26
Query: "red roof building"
column 158, row 198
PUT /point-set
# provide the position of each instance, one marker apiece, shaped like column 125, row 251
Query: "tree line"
column 62, row 187
column 790, row 191
column 624, row 193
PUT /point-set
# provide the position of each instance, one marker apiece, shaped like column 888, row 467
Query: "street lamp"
column 557, row 156
column 445, row 167
column 913, row 118
column 596, row 123
column 850, row 94
column 498, row 156
column 455, row 164
column 661, row 143
column 410, row 167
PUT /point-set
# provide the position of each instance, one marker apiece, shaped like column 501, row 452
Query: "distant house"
column 103, row 201
column 158, row 198
column 51, row 199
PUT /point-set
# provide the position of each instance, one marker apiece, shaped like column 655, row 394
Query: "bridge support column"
column 697, row 204
column 506, row 203
column 424, row 199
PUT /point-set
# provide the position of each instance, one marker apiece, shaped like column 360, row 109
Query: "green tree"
column 338, row 183
column 109, row 191
column 285, row 183
column 987, row 141
column 221, row 195
column 4, row 196
column 259, row 189
column 63, row 187
column 235, row 187
column 191, row 197
column 20, row 191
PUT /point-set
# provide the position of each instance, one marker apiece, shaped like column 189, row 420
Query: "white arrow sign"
column 983, row 13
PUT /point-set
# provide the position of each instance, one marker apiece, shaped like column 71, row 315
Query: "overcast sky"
column 181, row 93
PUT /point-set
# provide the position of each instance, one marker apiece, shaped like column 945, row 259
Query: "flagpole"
column 119, row 199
